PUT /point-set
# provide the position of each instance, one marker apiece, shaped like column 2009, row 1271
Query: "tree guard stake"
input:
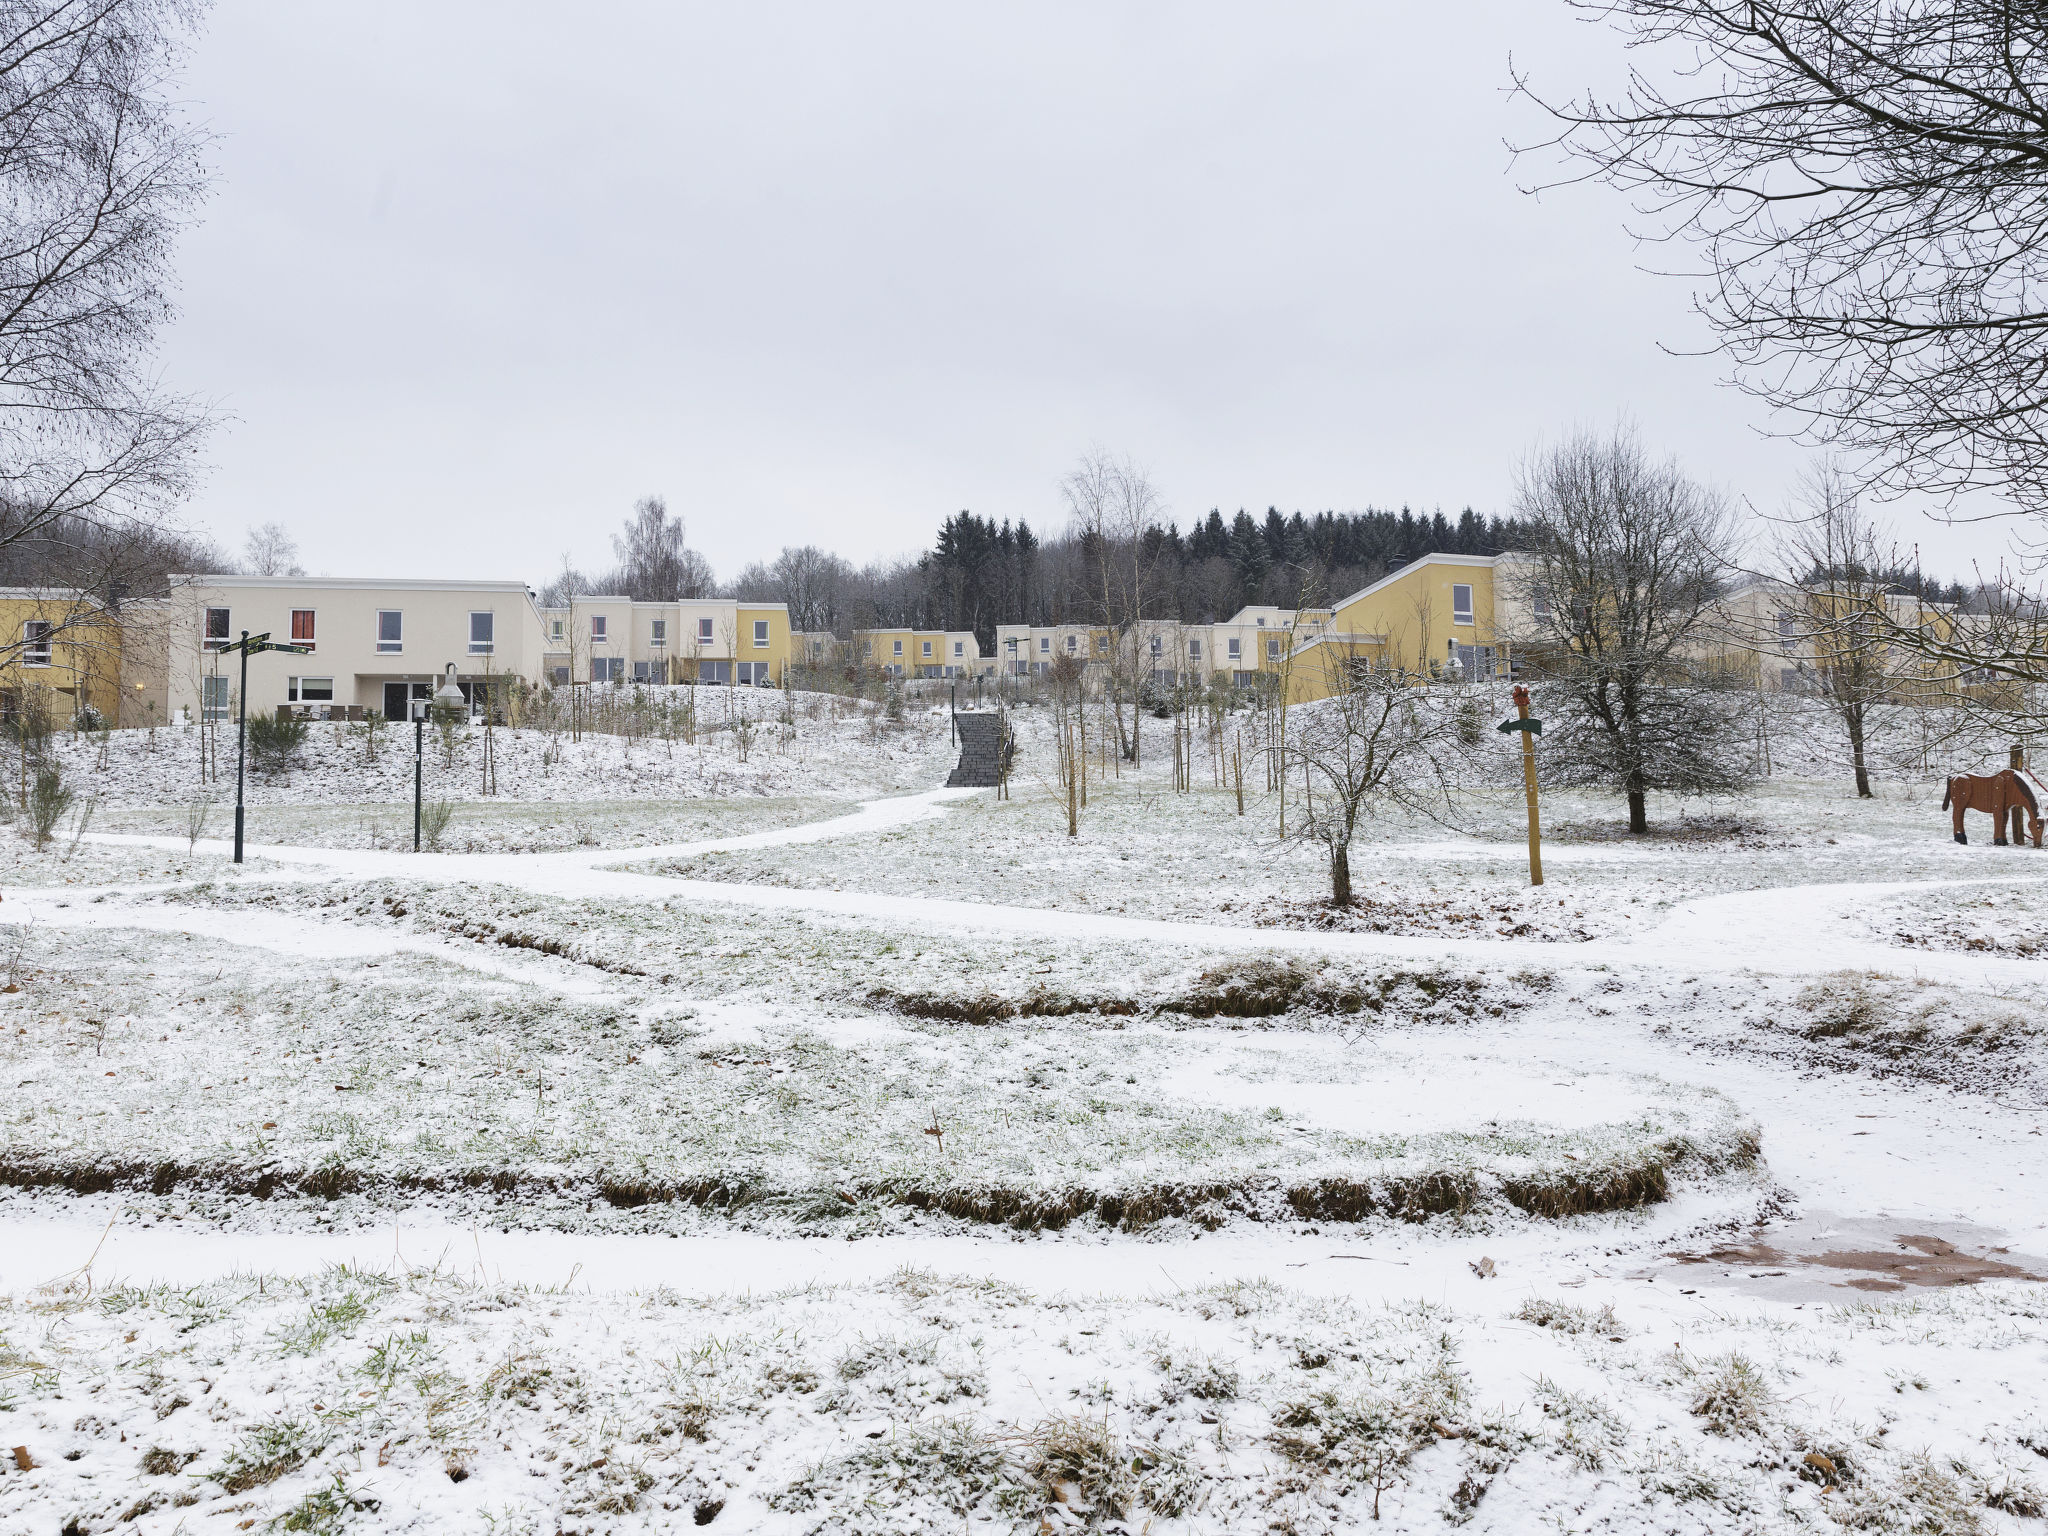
column 1531, row 728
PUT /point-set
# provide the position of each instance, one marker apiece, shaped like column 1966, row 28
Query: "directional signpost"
column 1531, row 728
column 249, row 645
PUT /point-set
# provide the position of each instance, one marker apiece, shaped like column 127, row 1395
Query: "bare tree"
column 656, row 563
column 271, row 551
column 1114, row 506
column 565, row 586
column 1838, row 609
column 1378, row 739
column 1868, row 186
column 101, row 173
column 1626, row 563
column 811, row 582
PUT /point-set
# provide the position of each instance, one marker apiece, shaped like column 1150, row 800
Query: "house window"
column 867, row 647
column 35, row 643
column 1157, row 646
column 927, row 647
column 390, row 631
column 597, row 629
column 1273, row 649
column 1461, row 603
column 703, row 631
column 1539, row 602
column 1236, row 648
column 607, row 669
column 959, row 648
column 658, row 634
column 1044, row 643
column 643, row 671
column 1010, row 645
column 1102, row 645
column 897, row 646
column 555, row 629
column 216, row 628
column 483, row 628
column 302, row 627
column 761, row 635
column 213, row 697
column 1785, row 630
column 309, row 690
column 1194, row 650
column 559, row 676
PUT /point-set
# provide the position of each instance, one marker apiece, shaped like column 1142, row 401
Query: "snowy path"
column 1858, row 1148
column 1853, row 1149
column 1788, row 931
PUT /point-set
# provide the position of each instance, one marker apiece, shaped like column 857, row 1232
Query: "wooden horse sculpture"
column 2005, row 795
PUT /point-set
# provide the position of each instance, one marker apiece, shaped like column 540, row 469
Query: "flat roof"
column 351, row 583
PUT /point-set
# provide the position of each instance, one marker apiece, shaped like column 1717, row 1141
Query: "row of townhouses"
column 378, row 645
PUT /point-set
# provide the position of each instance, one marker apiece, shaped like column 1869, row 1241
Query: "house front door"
column 397, row 696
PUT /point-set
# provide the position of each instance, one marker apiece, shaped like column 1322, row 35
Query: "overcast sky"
column 476, row 276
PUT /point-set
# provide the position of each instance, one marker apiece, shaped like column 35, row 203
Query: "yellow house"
column 918, row 652
column 59, row 652
column 763, row 639
column 1435, row 617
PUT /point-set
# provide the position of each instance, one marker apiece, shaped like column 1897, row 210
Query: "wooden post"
column 1073, row 788
column 1528, row 733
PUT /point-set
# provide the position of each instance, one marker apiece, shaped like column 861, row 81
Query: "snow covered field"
column 680, row 1145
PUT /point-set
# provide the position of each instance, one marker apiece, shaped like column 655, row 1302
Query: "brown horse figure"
column 2005, row 795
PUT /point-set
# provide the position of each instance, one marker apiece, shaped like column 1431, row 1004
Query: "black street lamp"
column 248, row 645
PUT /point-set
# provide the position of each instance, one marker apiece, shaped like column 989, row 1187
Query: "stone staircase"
column 980, row 742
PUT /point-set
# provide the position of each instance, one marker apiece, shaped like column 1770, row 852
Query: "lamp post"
column 448, row 695
column 248, row 645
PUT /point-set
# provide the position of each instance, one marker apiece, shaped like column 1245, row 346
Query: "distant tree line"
column 980, row 573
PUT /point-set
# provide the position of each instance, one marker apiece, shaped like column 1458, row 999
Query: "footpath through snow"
column 1784, row 931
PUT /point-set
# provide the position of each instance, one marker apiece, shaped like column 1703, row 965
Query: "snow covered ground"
column 683, row 1146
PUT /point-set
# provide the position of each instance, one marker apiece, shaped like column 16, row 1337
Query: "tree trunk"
column 1340, row 874
column 1638, row 805
column 1855, row 723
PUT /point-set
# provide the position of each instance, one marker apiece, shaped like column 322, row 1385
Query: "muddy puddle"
column 1857, row 1254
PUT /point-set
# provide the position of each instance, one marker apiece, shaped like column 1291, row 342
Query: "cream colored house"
column 374, row 645
column 1251, row 643
column 600, row 639
column 1025, row 650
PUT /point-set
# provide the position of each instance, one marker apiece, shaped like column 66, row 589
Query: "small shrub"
column 1471, row 727
column 197, row 814
column 275, row 742
column 435, row 816
column 49, row 797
